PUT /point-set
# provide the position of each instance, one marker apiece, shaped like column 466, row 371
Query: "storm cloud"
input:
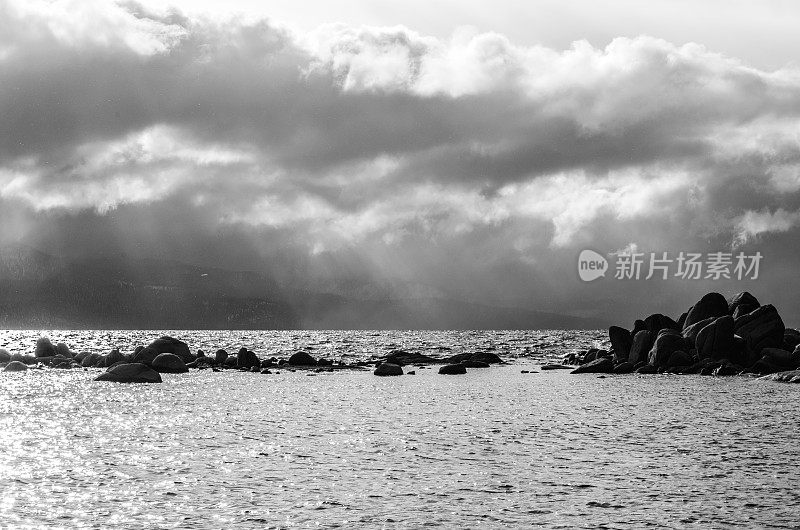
column 470, row 165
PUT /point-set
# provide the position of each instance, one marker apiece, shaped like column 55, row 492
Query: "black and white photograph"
column 369, row 264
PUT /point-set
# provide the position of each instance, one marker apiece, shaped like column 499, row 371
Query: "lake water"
column 495, row 448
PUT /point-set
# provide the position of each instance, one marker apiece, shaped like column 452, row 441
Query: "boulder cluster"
column 715, row 336
column 452, row 365
column 168, row 355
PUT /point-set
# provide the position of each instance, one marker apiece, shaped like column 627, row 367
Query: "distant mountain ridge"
column 38, row 290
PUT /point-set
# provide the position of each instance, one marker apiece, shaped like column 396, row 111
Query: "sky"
column 464, row 150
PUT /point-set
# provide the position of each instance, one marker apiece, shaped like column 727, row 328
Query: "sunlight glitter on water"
column 494, row 448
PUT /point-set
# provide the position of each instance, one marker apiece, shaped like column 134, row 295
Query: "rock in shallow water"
column 302, row 358
column 5, row 356
column 169, row 363
column 388, row 369
column 453, row 369
column 174, row 346
column 130, row 373
column 15, row 366
column 603, row 365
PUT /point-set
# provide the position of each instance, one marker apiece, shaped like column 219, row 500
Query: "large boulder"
column 5, row 355
column 113, row 357
column 220, row 356
column 387, row 369
column 247, row 359
column 780, row 357
column 741, row 304
column 173, row 346
column 453, row 369
column 45, row 348
column 145, row 356
column 642, row 342
column 402, row 358
column 485, row 357
column 15, row 366
column 130, row 373
column 711, row 305
column 762, row 328
column 63, row 350
column 690, row 332
column 91, row 360
column 623, row 368
column 603, row 365
column 621, row 342
column 302, row 358
column 791, row 339
column 715, row 340
column 169, row 363
column 657, row 322
column 667, row 342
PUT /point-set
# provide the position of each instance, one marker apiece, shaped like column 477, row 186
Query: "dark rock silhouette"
column 621, row 342
column 667, row 342
column 453, row 369
column 603, row 365
column 640, row 348
column 145, row 356
column 5, row 356
column 761, row 328
column 15, row 366
column 169, row 363
column 302, row 358
column 715, row 340
column 403, row 358
column 388, row 369
column 45, row 348
column 220, row 356
column 711, row 305
column 174, row 346
column 130, row 373
column 741, row 304
column 247, row 359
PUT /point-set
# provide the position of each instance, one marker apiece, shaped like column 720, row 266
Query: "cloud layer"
column 471, row 164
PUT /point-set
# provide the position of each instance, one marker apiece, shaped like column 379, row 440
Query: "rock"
column 174, row 346
column 15, row 366
column 453, row 369
column 91, row 360
column 169, row 363
column 200, row 353
column 621, row 342
column 388, row 369
column 642, row 342
column 679, row 359
column 741, row 304
column 715, row 340
column 790, row 376
column 638, row 326
column 5, row 356
column 604, row 365
column 682, row 319
column 220, row 356
column 555, row 367
column 302, row 358
column 791, row 339
column 130, row 373
column 412, row 372
column 324, row 362
column 762, row 328
column 265, row 371
column 690, row 332
column 486, row 357
column 145, row 356
column 647, row 369
column 726, row 369
column 114, row 357
column 402, row 358
column 780, row 357
column 247, row 359
column 711, row 305
column 255, row 369
column 45, row 348
column 590, row 356
column 667, row 342
column 63, row 350
column 623, row 368
column 469, row 363
column 656, row 322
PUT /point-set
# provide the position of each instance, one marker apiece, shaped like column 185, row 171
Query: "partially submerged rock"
column 174, row 346
column 169, row 363
column 15, row 366
column 453, row 369
column 388, row 369
column 130, row 373
column 302, row 358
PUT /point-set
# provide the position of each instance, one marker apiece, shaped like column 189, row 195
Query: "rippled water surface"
column 495, row 448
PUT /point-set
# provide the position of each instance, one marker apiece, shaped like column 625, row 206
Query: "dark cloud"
column 472, row 166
